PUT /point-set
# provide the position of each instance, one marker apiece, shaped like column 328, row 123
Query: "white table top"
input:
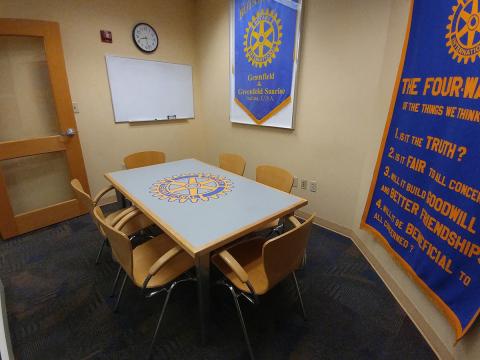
column 201, row 206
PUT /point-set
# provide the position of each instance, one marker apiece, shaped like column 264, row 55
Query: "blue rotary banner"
column 424, row 200
column 265, row 38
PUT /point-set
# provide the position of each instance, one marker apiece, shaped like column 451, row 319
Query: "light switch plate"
column 76, row 109
column 304, row 184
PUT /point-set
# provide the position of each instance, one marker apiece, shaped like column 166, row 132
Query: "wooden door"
column 39, row 145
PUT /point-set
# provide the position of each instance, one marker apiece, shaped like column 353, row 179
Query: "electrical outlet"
column 295, row 182
column 304, row 184
column 76, row 109
column 313, row 186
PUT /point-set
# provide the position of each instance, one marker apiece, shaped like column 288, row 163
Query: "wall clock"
column 145, row 37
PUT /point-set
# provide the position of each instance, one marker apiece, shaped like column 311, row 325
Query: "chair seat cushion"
column 145, row 255
column 249, row 256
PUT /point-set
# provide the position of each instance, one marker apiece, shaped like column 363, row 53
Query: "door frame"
column 11, row 224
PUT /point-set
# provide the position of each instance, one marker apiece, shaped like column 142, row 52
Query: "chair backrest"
column 121, row 245
column 82, row 196
column 86, row 201
column 233, row 163
column 283, row 254
column 275, row 177
column 144, row 158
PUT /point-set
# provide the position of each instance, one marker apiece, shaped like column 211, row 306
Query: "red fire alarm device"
column 106, row 36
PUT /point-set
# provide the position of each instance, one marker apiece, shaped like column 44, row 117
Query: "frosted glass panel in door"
column 37, row 181
column 27, row 109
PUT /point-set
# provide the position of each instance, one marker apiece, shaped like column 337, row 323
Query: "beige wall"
column 104, row 143
column 350, row 53
column 349, row 58
column 339, row 71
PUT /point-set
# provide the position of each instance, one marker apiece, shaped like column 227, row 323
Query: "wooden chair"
column 154, row 265
column 277, row 178
column 140, row 222
column 254, row 267
column 233, row 163
column 144, row 158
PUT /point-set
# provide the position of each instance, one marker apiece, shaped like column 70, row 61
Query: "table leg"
column 120, row 198
column 202, row 265
column 124, row 203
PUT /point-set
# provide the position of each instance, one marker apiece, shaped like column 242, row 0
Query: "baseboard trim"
column 407, row 305
column 326, row 224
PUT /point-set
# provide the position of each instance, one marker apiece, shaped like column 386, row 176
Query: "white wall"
column 6, row 352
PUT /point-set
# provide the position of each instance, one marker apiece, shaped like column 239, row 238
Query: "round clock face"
column 145, row 37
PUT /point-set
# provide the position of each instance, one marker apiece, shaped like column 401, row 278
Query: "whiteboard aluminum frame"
column 147, row 120
column 245, row 119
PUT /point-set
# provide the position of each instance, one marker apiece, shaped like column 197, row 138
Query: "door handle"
column 70, row 132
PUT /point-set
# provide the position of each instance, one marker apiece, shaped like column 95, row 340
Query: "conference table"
column 202, row 208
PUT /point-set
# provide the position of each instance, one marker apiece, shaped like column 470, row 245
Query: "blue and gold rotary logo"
column 463, row 37
column 192, row 187
column 262, row 38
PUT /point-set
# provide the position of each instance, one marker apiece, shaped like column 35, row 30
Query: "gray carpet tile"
column 59, row 307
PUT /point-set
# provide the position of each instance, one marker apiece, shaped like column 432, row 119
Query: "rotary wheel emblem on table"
column 191, row 188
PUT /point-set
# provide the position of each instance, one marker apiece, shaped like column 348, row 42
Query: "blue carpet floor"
column 59, row 307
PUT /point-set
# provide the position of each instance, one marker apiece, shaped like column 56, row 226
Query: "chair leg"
column 165, row 303
column 164, row 307
column 299, row 296
column 97, row 261
column 115, row 309
column 242, row 322
column 116, row 281
column 304, row 261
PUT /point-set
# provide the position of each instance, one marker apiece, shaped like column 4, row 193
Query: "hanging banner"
column 424, row 200
column 264, row 44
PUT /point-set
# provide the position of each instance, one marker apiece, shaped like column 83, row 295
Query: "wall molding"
column 428, row 333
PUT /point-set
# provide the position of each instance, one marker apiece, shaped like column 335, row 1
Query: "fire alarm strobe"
column 106, row 36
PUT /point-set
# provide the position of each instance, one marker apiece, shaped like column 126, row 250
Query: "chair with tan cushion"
column 143, row 158
column 277, row 178
column 86, row 200
column 155, row 265
column 254, row 267
column 233, row 163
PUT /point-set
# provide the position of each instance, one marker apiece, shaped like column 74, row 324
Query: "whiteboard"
column 146, row 90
